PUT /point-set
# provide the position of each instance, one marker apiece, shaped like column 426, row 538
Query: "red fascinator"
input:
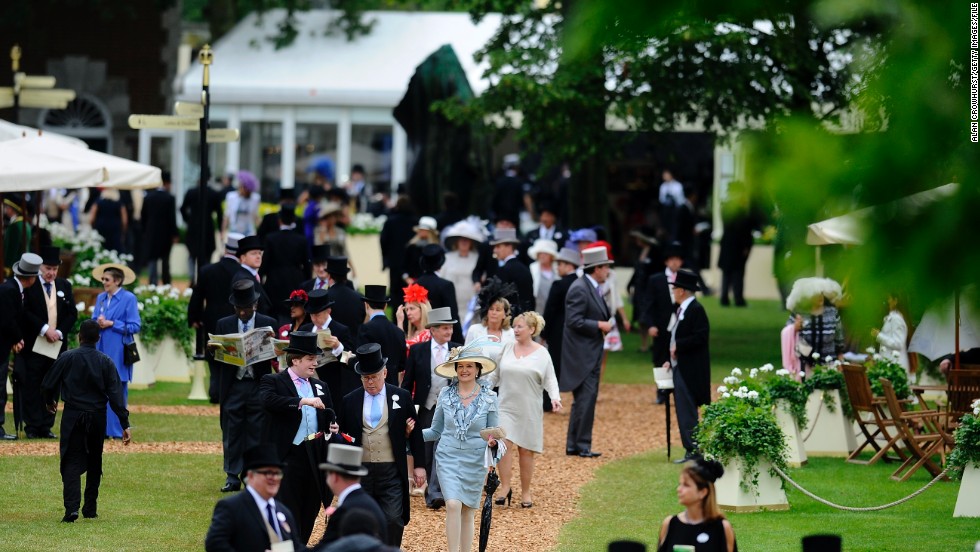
column 416, row 294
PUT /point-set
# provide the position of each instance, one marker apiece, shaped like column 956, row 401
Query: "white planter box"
column 169, row 362
column 143, row 372
column 832, row 432
column 968, row 500
column 732, row 498
column 795, row 451
column 364, row 251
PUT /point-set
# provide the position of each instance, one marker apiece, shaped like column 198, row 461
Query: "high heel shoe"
column 526, row 504
column 504, row 499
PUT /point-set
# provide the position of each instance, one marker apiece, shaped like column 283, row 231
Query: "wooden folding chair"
column 921, row 447
column 963, row 389
column 869, row 412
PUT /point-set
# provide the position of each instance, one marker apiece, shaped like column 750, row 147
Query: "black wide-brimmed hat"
column 337, row 265
column 243, row 294
column 369, row 359
column 249, row 243
column 297, row 297
column 261, row 456
column 51, row 255
column 433, row 257
column 375, row 294
column 320, row 253
column 318, row 301
column 303, row 343
column 687, row 280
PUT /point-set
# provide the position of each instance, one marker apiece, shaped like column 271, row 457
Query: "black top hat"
column 687, row 280
column 433, row 256
column 287, row 214
column 286, row 194
column 243, row 294
column 673, row 249
column 50, row 255
column 369, row 359
column 319, row 253
column 261, row 456
column 337, row 265
column 318, row 301
column 375, row 294
column 303, row 343
column 249, row 243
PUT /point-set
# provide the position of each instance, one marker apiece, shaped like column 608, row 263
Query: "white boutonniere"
column 394, row 402
column 61, row 294
column 318, row 388
column 282, row 522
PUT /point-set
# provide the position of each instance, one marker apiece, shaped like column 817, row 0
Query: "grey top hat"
column 231, row 242
column 570, row 256
column 440, row 316
column 595, row 256
column 344, row 459
column 505, row 235
column 28, row 265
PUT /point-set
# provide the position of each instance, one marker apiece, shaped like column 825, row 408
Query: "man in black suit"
column 209, row 303
column 442, row 292
column 285, row 264
column 340, row 377
column 425, row 387
column 298, row 412
column 250, row 254
column 25, row 272
column 689, row 358
column 252, row 520
column 661, row 307
column 348, row 307
column 271, row 222
column 320, row 280
column 381, row 432
column 49, row 314
column 200, row 240
column 344, row 473
column 547, row 228
column 242, row 415
column 510, row 269
column 554, row 309
column 379, row 329
column 159, row 218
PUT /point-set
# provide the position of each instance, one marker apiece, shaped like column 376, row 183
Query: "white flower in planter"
column 92, row 308
column 139, row 305
column 753, row 373
column 828, row 359
column 722, row 389
column 767, row 367
column 730, row 380
column 736, row 372
column 80, row 306
column 782, row 372
column 753, row 394
column 726, row 395
column 870, row 350
column 816, row 356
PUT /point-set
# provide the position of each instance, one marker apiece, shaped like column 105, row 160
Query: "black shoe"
column 231, row 487
column 92, row 515
column 571, row 452
column 4, row 436
column 687, row 458
column 589, row 454
column 70, row 517
column 45, row 435
column 436, row 503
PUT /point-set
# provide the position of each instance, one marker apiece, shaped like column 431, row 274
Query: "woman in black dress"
column 701, row 524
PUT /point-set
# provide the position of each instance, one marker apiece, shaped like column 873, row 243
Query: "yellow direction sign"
column 57, row 99
column 222, row 135
column 6, row 97
column 33, row 81
column 173, row 122
column 188, row 109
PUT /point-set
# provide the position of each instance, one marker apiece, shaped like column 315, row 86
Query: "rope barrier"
column 813, row 424
column 860, row 509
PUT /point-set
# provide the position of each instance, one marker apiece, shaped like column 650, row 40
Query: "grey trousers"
column 579, row 436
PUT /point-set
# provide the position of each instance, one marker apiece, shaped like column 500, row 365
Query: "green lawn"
column 165, row 393
column 629, row 498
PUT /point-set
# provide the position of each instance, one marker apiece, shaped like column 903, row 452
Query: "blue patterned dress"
column 459, row 454
column 122, row 310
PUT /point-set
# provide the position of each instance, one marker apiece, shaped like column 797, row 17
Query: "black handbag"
column 131, row 354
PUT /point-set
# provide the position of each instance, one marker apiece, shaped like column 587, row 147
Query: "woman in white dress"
column 461, row 241
column 494, row 316
column 893, row 336
column 525, row 372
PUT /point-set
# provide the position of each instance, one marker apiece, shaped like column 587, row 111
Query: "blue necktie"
column 47, row 288
column 272, row 518
column 375, row 410
column 244, row 327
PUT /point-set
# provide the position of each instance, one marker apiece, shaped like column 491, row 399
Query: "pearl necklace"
column 471, row 395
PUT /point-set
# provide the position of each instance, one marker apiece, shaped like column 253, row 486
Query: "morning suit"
column 209, row 303
column 348, row 307
column 303, row 489
column 159, row 218
column 581, row 359
column 31, row 367
column 242, row 416
column 442, row 293
column 265, row 304
column 357, row 499
column 237, row 525
column 12, row 307
column 285, row 265
column 339, row 376
column 692, row 371
column 659, row 310
column 126, row 322
column 519, row 274
column 554, row 316
column 382, row 331
column 314, row 283
column 387, row 478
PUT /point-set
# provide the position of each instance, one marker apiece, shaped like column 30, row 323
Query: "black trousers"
column 31, row 369
column 687, row 411
column 385, row 486
column 300, row 488
column 82, row 437
column 4, row 369
column 241, row 429
column 733, row 280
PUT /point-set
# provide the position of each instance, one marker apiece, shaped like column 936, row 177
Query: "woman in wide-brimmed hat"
column 814, row 330
column 462, row 240
column 464, row 423
column 297, row 300
column 327, row 232
column 118, row 316
column 426, row 232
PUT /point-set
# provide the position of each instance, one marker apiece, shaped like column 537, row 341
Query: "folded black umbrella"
column 485, row 516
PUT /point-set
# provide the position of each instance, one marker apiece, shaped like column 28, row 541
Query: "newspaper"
column 244, row 349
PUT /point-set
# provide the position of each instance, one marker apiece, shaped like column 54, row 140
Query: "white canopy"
column 849, row 229
column 11, row 131
column 936, row 333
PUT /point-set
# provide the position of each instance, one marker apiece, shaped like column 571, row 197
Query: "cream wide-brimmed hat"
column 128, row 275
column 543, row 246
column 470, row 353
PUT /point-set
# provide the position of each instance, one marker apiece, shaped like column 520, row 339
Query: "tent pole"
column 956, row 333
column 817, row 258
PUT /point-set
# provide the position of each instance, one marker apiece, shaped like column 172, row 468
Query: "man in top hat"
column 425, row 385
column 661, row 306
column 251, row 521
column 12, row 293
column 17, row 232
column 49, row 313
column 209, row 303
column 199, row 237
column 250, row 253
column 380, row 418
column 442, row 292
column 547, row 228
column 689, row 358
column 242, row 415
column 285, row 264
column 299, row 413
column 343, row 474
column 340, row 377
column 587, row 321
column 321, row 279
column 510, row 269
column 159, row 218
column 566, row 264
column 379, row 329
column 272, row 222
column 348, row 307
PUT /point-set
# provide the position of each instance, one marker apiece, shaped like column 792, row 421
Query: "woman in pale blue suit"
column 464, row 423
column 118, row 316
